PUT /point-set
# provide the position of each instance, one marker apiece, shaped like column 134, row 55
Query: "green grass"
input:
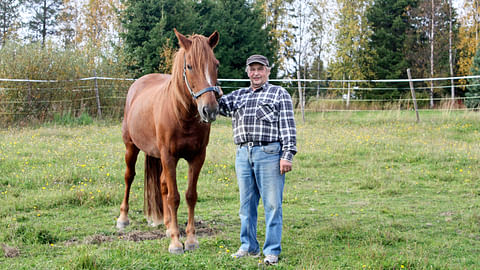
column 369, row 190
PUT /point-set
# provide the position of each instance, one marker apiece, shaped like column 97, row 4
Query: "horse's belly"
column 142, row 133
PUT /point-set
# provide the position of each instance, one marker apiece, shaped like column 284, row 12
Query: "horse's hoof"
column 175, row 250
column 122, row 224
column 168, row 233
column 191, row 246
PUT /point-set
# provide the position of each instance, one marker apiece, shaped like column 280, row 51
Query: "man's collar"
column 264, row 86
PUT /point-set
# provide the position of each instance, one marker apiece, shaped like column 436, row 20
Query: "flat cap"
column 257, row 58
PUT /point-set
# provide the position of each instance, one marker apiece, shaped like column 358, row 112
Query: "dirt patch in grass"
column 201, row 228
column 10, row 252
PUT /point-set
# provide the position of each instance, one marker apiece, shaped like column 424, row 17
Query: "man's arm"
column 287, row 129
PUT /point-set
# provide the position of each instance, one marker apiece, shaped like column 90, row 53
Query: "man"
column 264, row 130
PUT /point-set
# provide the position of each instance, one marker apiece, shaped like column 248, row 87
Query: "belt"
column 251, row 144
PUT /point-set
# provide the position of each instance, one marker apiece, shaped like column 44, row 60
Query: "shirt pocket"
column 266, row 112
column 239, row 111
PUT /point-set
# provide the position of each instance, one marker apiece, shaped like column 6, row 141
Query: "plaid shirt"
column 263, row 115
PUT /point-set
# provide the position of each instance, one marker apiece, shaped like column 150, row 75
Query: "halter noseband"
column 215, row 89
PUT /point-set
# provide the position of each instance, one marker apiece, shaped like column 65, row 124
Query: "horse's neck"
column 182, row 102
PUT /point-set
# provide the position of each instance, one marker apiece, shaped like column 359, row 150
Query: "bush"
column 59, row 92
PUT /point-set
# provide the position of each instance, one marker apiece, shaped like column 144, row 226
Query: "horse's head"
column 200, row 71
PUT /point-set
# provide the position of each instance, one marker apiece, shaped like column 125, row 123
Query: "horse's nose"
column 210, row 113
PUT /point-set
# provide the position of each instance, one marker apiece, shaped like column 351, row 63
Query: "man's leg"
column 271, row 184
column 249, row 198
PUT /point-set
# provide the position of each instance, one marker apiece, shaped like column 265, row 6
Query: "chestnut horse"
column 168, row 117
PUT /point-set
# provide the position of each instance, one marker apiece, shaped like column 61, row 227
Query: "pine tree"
column 242, row 33
column 149, row 26
column 389, row 22
column 44, row 20
column 149, row 39
column 8, row 18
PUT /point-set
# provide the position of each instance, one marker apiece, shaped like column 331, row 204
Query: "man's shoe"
column 271, row 260
column 242, row 253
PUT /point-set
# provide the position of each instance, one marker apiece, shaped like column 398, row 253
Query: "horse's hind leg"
column 191, row 197
column 131, row 155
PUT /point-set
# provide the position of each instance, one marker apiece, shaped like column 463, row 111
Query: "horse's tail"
column 153, row 206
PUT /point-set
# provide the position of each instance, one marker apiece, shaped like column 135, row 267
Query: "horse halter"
column 215, row 89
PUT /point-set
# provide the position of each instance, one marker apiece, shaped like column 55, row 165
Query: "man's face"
column 258, row 74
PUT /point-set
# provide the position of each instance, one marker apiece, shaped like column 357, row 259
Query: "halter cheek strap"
column 215, row 89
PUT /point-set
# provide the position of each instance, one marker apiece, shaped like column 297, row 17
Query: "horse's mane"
column 200, row 53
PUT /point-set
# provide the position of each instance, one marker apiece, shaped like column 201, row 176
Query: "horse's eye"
column 189, row 67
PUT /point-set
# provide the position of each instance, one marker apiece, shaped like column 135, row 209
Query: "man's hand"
column 285, row 166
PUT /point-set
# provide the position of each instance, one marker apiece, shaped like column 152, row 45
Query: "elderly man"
column 264, row 130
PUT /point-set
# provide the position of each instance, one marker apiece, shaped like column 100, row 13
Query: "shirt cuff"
column 287, row 155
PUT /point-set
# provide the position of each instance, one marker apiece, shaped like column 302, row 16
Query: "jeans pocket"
column 272, row 148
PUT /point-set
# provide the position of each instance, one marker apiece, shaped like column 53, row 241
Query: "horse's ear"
column 182, row 40
column 213, row 39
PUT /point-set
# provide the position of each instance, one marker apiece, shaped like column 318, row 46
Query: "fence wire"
column 23, row 100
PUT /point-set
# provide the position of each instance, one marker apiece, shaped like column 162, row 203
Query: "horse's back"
column 147, row 82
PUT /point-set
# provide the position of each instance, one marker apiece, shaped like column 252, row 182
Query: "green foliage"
column 389, row 22
column 150, row 25
column 67, row 119
column 26, row 101
column 473, row 93
column 353, row 55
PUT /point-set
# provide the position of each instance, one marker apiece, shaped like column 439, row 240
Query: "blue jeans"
column 258, row 175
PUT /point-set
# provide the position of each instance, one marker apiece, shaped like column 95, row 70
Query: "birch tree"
column 353, row 55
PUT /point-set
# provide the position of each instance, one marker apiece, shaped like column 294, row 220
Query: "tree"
column 428, row 41
column 389, row 23
column 473, row 93
column 8, row 19
column 318, row 29
column 149, row 39
column 468, row 36
column 242, row 32
column 353, row 55
column 44, row 20
column 281, row 29
column 149, row 26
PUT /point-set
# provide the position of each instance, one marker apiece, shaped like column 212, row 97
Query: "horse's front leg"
column 195, row 166
column 169, row 180
column 130, row 160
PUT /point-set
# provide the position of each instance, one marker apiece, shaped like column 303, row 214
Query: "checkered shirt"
column 263, row 115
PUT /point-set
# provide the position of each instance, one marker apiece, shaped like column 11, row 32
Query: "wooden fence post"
column 413, row 94
column 97, row 96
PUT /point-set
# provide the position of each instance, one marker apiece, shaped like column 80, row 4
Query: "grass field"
column 369, row 190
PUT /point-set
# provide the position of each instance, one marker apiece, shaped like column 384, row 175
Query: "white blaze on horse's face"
column 202, row 88
column 207, row 76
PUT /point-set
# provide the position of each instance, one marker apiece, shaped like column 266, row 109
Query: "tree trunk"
column 450, row 56
column 431, row 53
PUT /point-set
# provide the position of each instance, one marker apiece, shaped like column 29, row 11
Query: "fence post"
column 413, row 94
column 97, row 96
column 348, row 93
